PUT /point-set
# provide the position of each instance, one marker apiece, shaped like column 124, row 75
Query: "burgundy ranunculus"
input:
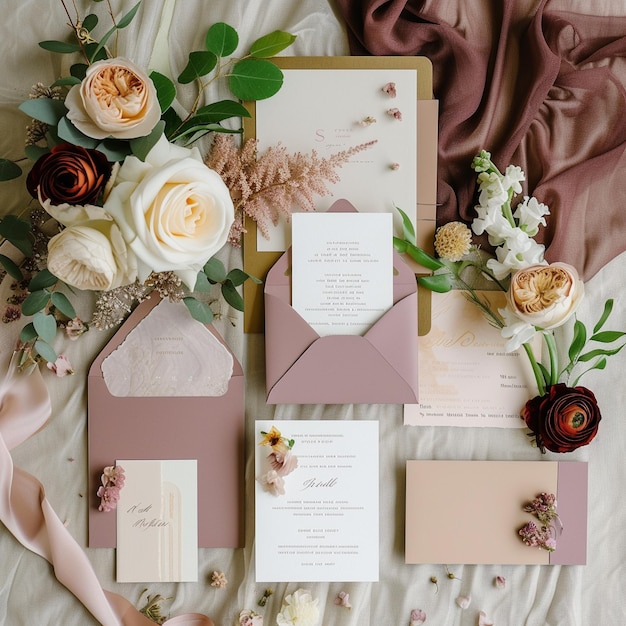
column 69, row 174
column 563, row 419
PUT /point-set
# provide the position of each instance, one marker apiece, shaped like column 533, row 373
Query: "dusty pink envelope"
column 379, row 367
column 209, row 429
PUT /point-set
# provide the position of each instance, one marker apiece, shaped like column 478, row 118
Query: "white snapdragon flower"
column 530, row 214
column 492, row 192
column 515, row 330
column 490, row 220
column 513, row 177
column 518, row 251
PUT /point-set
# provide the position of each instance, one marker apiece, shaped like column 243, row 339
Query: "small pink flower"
column 395, row 113
column 273, row 483
column 61, row 367
column 75, row 328
column 483, row 620
column 248, row 617
column 464, row 601
column 390, row 90
column 499, row 582
column 367, row 121
column 283, row 464
column 418, row 617
column 395, row 166
column 343, row 599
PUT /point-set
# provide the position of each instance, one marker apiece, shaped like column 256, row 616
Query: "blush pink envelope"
column 209, row 429
column 379, row 367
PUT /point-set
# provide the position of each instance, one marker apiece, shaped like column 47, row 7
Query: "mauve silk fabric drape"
column 538, row 85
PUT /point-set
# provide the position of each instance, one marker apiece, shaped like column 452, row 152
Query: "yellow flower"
column 275, row 440
column 453, row 241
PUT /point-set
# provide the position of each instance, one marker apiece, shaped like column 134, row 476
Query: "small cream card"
column 466, row 378
column 331, row 110
column 342, row 270
column 470, row 512
column 157, row 522
column 324, row 526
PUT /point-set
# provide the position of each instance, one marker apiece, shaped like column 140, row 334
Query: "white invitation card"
column 316, row 501
column 466, row 377
column 342, row 270
column 157, row 522
column 333, row 110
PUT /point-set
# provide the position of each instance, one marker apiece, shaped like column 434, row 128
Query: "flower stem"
column 554, row 357
column 541, row 387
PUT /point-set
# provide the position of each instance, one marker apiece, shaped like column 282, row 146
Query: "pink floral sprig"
column 542, row 536
column 343, row 599
column 280, row 461
column 112, row 479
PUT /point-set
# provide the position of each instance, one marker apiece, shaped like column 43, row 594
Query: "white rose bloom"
column 115, row 99
column 299, row 609
column 545, row 296
column 530, row 214
column 174, row 212
column 73, row 214
column 91, row 255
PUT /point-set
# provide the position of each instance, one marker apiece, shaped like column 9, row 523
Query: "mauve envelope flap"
column 209, row 429
column 390, row 345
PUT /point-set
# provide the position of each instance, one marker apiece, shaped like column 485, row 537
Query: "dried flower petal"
column 61, row 367
column 343, row 599
column 464, row 601
column 418, row 617
column 390, row 90
column 395, row 113
column 483, row 620
column 218, row 579
column 499, row 582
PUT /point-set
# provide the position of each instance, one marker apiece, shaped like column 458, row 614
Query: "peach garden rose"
column 115, row 99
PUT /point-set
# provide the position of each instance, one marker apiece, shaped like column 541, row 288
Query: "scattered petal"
column 343, row 599
column 464, row 601
column 394, row 166
column 483, row 620
column 499, row 582
column 418, row 617
column 395, row 113
column 219, row 580
column 390, row 90
column 367, row 121
column 61, row 367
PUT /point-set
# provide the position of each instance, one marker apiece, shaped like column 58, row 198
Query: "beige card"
column 466, row 378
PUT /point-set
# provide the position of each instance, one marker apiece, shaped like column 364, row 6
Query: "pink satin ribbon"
column 24, row 410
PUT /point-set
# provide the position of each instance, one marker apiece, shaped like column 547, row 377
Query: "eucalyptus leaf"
column 90, row 21
column 9, row 170
column 172, row 122
column 34, row 152
column 195, row 133
column 41, row 280
column 200, row 63
column 68, row 132
column 221, row 39
column 35, row 301
column 14, row 228
column 439, row 283
column 45, row 325
column 11, row 267
column 607, row 336
column 96, row 52
column 28, row 333
column 61, row 302
column 66, row 81
column 141, row 146
column 202, row 283
column 122, row 23
column 215, row 270
column 608, row 307
column 79, row 70
column 45, row 351
column 199, row 311
column 222, row 110
column 165, row 88
column 61, row 47
column 255, row 79
column 232, row 296
column 271, row 44
column 239, row 277
column 44, row 109
column 114, row 149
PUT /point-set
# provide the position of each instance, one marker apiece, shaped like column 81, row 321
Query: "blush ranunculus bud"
column 545, row 296
column 563, row 419
column 115, row 99
column 69, row 174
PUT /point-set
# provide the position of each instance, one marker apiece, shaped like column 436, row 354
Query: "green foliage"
column 17, row 231
column 199, row 311
column 165, row 88
column 123, row 23
column 61, row 302
column 221, row 39
column 68, row 132
column 270, row 45
column 60, row 47
column 200, row 63
column 255, row 79
column 44, row 109
column 142, row 145
column 11, row 268
column 9, row 170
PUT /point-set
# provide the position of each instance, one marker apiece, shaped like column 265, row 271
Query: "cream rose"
column 115, row 99
column 92, row 255
column 545, row 296
column 299, row 609
column 174, row 212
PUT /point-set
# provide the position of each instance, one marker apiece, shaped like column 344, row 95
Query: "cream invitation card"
column 332, row 110
column 157, row 522
column 321, row 524
column 342, row 270
column 466, row 378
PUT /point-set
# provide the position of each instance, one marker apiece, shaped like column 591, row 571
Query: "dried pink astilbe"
column 264, row 187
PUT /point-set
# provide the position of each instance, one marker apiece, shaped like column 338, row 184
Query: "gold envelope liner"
column 258, row 262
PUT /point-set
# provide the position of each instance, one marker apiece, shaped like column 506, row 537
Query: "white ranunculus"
column 545, row 296
column 115, row 99
column 174, row 212
column 299, row 609
column 92, row 255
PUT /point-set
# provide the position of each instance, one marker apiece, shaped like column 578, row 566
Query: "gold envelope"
column 258, row 262
column 207, row 428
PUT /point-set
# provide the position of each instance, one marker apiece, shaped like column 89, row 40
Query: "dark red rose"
column 69, row 174
column 563, row 419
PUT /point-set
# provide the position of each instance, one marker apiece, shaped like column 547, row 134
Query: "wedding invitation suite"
column 324, row 524
column 342, row 270
column 157, row 527
column 312, row 112
column 470, row 512
column 466, row 378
